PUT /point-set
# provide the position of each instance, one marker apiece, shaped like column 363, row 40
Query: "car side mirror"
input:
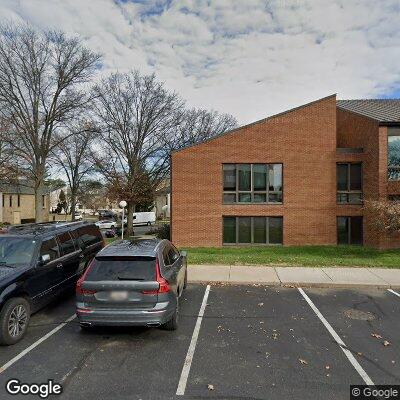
column 44, row 259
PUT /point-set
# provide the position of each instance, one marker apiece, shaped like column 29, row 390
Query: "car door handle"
column 59, row 266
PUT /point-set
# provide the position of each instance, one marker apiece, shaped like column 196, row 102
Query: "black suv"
column 38, row 262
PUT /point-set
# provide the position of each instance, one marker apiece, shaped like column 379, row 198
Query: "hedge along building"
column 296, row 178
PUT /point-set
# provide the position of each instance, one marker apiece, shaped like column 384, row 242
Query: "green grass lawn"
column 309, row 256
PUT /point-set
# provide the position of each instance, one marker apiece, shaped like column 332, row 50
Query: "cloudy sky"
column 251, row 58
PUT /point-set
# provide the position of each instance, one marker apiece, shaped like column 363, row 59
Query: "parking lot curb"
column 340, row 278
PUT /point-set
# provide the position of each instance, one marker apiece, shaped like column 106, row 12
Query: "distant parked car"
column 106, row 224
column 78, row 216
column 133, row 282
column 38, row 262
column 106, row 214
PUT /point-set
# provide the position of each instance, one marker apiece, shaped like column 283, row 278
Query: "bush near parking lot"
column 161, row 231
column 308, row 256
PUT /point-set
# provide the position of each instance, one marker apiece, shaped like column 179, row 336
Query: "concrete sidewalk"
column 296, row 276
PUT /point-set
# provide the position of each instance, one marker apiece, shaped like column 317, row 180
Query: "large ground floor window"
column 253, row 230
column 350, row 230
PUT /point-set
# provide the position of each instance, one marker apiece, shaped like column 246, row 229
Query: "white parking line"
column 339, row 341
column 189, row 356
column 32, row 346
column 395, row 293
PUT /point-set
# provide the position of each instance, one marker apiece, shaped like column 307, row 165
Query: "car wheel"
column 172, row 324
column 14, row 320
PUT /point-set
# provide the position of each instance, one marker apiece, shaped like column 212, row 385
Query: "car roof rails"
column 41, row 227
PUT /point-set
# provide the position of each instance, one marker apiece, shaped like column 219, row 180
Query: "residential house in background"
column 18, row 204
column 162, row 200
column 296, row 178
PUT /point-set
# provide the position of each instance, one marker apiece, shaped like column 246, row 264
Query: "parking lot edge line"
column 339, row 341
column 395, row 293
column 35, row 344
column 180, row 391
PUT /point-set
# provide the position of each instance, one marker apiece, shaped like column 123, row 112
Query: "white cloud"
column 250, row 58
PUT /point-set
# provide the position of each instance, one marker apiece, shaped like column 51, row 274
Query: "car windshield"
column 16, row 251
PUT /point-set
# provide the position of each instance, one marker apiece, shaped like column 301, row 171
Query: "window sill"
column 252, row 204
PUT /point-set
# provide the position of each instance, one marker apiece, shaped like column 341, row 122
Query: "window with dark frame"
column 252, row 230
column 350, row 230
column 10, row 200
column 43, row 201
column 19, row 201
column 252, row 183
column 393, row 154
column 349, row 183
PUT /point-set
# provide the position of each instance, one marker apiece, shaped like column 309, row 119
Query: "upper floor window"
column 252, row 183
column 393, row 154
column 349, row 183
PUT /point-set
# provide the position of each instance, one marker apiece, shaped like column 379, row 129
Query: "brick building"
column 18, row 204
column 296, row 178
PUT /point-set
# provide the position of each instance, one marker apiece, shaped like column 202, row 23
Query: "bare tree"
column 136, row 113
column 73, row 156
column 384, row 214
column 198, row 125
column 42, row 79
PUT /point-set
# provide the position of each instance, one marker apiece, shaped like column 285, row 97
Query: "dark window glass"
column 349, row 183
column 355, row 176
column 244, row 197
column 393, row 197
column 260, row 177
column 275, row 230
column 342, row 230
column 244, row 229
column 260, row 198
column 275, row 178
column 173, row 255
column 356, row 230
column 10, row 200
column 4, row 200
column 19, row 201
column 229, row 197
column 15, row 251
column 229, row 230
column 244, row 172
column 166, row 259
column 229, row 177
column 394, row 157
column 49, row 247
column 260, row 231
column 89, row 235
column 350, row 230
column 66, row 243
column 122, row 268
column 341, row 176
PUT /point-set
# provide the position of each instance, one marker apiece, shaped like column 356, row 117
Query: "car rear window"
column 122, row 268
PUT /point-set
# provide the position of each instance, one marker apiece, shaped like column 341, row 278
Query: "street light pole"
column 122, row 204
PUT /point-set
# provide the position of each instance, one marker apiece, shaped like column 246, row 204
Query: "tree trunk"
column 39, row 186
column 130, row 210
column 73, row 205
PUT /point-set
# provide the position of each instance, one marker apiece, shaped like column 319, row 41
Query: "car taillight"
column 164, row 285
column 79, row 289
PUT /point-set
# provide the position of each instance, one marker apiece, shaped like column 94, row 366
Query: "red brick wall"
column 354, row 130
column 303, row 139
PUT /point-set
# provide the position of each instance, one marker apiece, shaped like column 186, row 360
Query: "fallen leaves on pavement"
column 210, row 387
column 304, row 362
column 376, row 335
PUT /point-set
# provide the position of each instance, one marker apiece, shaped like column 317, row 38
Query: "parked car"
column 133, row 282
column 106, row 224
column 78, row 216
column 106, row 214
column 143, row 218
column 37, row 263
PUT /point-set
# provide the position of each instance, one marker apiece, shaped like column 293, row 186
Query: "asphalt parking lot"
column 252, row 342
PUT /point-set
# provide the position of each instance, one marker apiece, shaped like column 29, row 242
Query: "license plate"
column 118, row 295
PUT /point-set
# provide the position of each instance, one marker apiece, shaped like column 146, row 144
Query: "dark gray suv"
column 133, row 282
